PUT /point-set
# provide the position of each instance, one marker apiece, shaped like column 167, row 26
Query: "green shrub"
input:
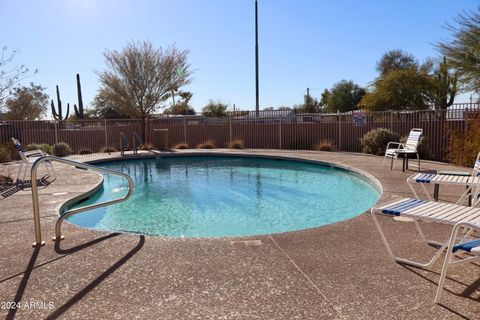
column 85, row 151
column 46, row 148
column 375, row 141
column 42, row 146
column 31, row 147
column 62, row 149
column 325, row 145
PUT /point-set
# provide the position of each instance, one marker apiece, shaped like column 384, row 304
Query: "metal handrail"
column 136, row 138
column 64, row 215
column 123, row 143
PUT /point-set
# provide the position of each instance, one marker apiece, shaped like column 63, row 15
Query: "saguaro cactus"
column 59, row 115
column 79, row 112
column 446, row 87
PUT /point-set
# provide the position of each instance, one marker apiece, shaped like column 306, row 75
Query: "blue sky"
column 303, row 43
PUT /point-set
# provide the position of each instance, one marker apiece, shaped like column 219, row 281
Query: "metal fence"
column 265, row 129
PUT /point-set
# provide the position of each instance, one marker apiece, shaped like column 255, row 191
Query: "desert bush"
column 236, row 144
column 146, row 146
column 463, row 147
column 209, row 144
column 62, row 149
column 31, row 147
column 181, row 146
column 325, row 145
column 46, row 148
column 108, row 150
column 375, row 141
column 5, row 153
column 85, row 151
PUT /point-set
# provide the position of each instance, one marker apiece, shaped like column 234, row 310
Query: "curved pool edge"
column 80, row 197
column 369, row 178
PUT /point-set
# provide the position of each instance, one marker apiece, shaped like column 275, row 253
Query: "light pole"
column 256, row 62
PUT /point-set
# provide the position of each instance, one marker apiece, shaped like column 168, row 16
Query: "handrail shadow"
column 23, row 283
column 83, row 245
column 82, row 293
column 31, row 266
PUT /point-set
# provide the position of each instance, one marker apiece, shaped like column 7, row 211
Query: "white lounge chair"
column 471, row 250
column 462, row 178
column 395, row 149
column 29, row 157
column 460, row 217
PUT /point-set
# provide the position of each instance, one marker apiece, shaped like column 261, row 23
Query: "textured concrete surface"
column 339, row 271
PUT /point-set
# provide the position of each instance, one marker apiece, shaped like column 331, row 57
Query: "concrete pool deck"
column 338, row 271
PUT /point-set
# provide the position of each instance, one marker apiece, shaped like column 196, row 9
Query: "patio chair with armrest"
column 28, row 158
column 395, row 149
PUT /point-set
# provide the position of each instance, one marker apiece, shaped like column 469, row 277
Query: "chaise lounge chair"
column 395, row 149
column 460, row 217
column 29, row 157
column 462, row 178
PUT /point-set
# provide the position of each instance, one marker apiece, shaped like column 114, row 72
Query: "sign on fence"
column 359, row 118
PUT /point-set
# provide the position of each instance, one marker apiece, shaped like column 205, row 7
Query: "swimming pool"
column 199, row 196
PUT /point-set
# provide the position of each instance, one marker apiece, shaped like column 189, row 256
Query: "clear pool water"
column 226, row 196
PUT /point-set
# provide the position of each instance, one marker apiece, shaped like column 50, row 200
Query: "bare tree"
column 138, row 79
column 10, row 75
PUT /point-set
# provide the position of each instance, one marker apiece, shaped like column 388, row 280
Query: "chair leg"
column 418, row 158
column 19, row 170
column 25, row 172
column 52, row 170
column 446, row 263
column 391, row 164
column 428, row 264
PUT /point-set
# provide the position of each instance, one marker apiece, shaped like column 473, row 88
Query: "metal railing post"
column 36, row 209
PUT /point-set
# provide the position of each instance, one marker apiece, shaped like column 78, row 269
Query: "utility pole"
column 257, row 104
